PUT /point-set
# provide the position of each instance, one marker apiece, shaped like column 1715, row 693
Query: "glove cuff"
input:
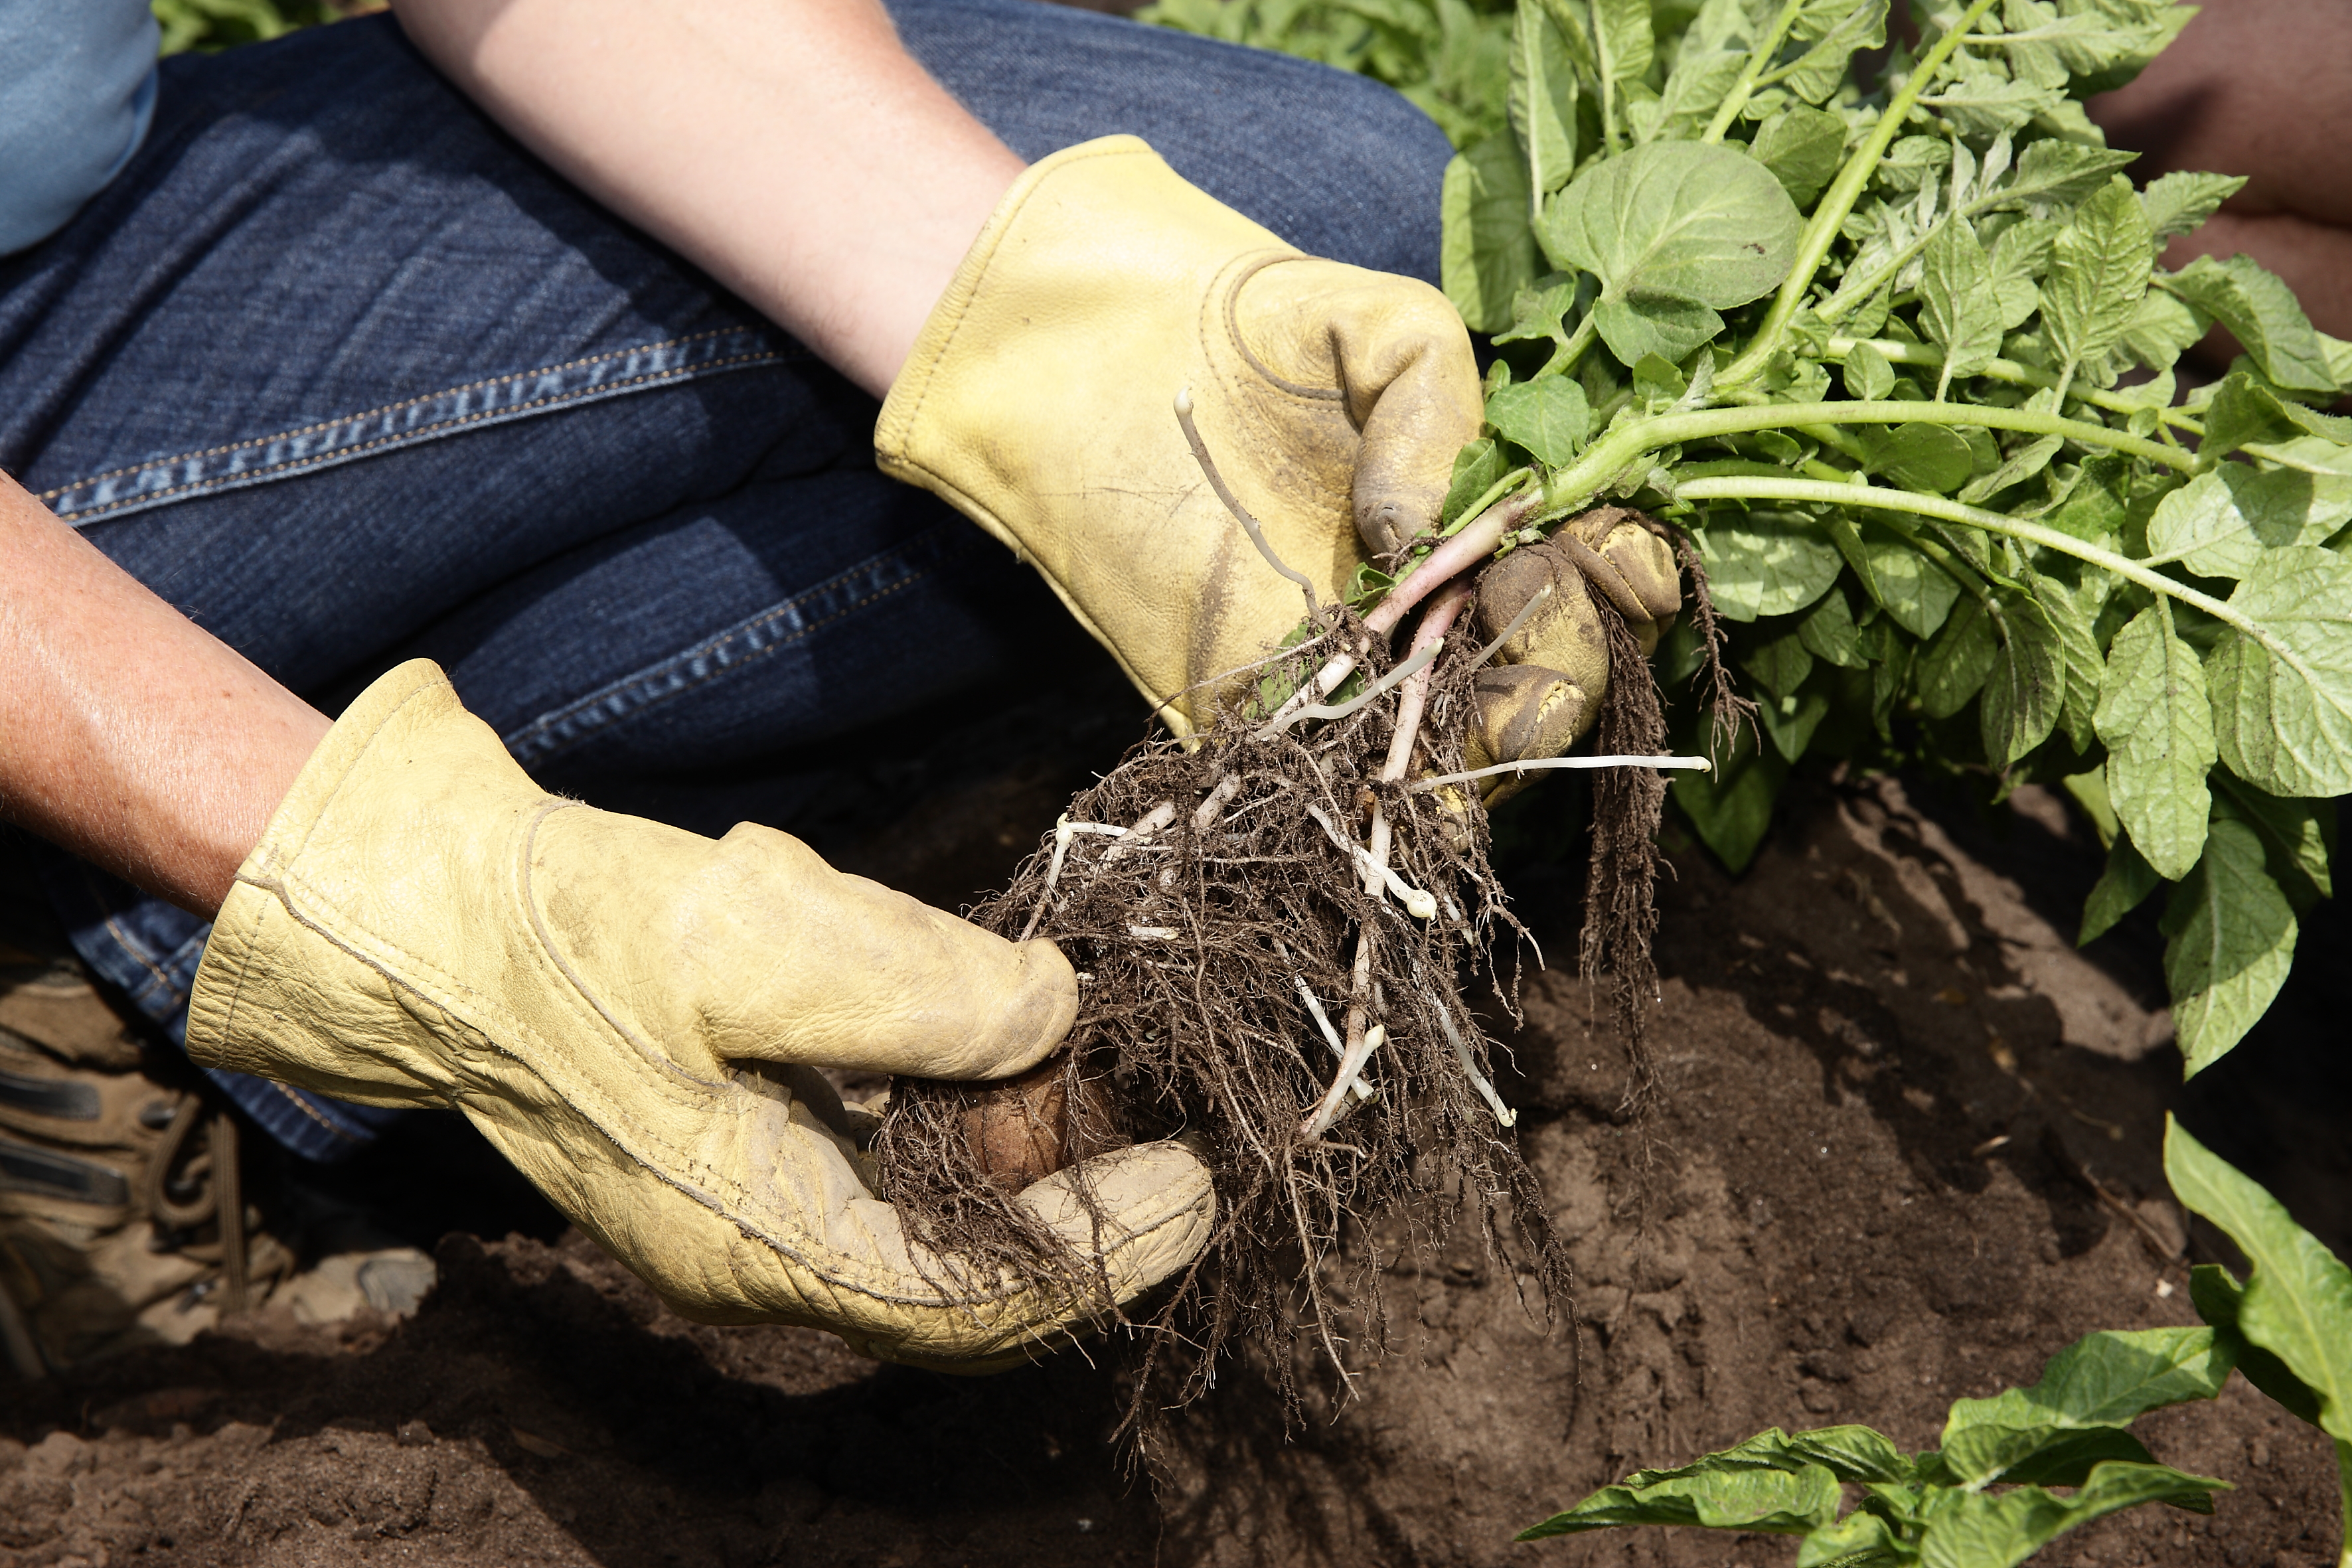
column 1099, row 266
column 243, row 1011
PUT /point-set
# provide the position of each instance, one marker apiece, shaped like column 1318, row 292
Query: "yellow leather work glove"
column 1545, row 688
column 1039, row 400
column 632, row 1013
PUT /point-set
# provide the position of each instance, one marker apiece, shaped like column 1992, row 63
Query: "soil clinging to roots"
column 1232, row 946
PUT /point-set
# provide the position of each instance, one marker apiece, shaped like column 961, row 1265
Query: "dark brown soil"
column 1907, row 1148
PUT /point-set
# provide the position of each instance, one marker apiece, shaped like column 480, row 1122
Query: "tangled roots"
column 1228, row 947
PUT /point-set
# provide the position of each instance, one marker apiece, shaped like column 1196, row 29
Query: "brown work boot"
column 123, row 1219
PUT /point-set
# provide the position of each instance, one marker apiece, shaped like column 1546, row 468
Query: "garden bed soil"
column 1908, row 1147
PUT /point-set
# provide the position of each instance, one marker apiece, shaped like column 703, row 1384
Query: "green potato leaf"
column 2181, row 202
column 2122, row 887
column 2300, row 835
column 1988, row 1530
column 2026, row 692
column 2073, row 613
column 2019, row 466
column 1803, row 148
column 1731, row 807
column 2160, row 330
column 2053, row 176
column 1986, row 101
column 1788, row 722
column 2283, row 708
column 1958, row 660
column 1621, row 39
column 2261, row 313
column 1543, row 98
column 2102, row 1380
column 2220, row 523
column 1930, row 457
column 1548, row 418
column 2157, row 724
column 1830, row 635
column 1780, row 664
column 1765, row 562
column 1867, row 375
column 1675, row 231
column 2230, row 941
column 1475, row 469
column 1777, row 1501
column 1487, row 253
column 2099, row 269
column 1660, row 326
column 1959, row 308
column 2219, row 1298
column 1818, row 72
column 2297, row 1303
column 1915, row 592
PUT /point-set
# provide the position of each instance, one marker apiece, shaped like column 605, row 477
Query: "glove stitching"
column 1240, row 345
column 530, row 902
column 977, row 264
column 823, row 1263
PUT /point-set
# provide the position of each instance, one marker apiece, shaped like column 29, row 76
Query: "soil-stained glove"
column 1039, row 400
column 1545, row 688
column 632, row 1013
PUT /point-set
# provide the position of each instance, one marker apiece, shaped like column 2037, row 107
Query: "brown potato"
column 1019, row 1129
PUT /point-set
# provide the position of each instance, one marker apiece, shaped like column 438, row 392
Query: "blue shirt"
column 77, row 91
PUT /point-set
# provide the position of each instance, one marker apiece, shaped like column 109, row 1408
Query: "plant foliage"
column 2060, row 1453
column 1884, row 325
column 207, row 24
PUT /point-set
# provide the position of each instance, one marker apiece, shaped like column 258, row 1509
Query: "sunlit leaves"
column 2230, row 941
column 1543, row 100
column 2178, row 203
column 2069, row 1430
column 2282, row 699
column 1958, row 306
column 2297, row 1305
column 2263, row 314
column 1765, row 562
column 2158, row 727
column 1488, row 253
column 1675, row 231
column 2099, row 269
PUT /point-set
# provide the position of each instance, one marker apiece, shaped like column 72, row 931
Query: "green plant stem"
column 1744, row 488
column 1927, row 356
column 1504, row 486
column 1745, row 87
column 1830, row 214
column 1607, row 75
column 1563, row 358
column 1606, row 458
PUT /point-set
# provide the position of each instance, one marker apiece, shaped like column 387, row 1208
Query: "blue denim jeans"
column 347, row 375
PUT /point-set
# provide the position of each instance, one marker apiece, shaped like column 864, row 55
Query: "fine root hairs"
column 1205, row 967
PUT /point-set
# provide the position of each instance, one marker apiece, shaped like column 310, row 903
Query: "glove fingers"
column 1154, row 1206
column 1524, row 711
column 1633, row 568
column 1394, row 358
column 758, row 951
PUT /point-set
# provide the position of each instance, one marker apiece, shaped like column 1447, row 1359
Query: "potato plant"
column 1882, row 323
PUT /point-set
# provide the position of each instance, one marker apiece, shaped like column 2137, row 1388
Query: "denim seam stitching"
column 587, row 705
column 148, row 498
column 395, row 407
column 313, row 1112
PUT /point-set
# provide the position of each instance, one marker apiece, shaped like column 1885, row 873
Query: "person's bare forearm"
column 790, row 148
column 128, row 734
